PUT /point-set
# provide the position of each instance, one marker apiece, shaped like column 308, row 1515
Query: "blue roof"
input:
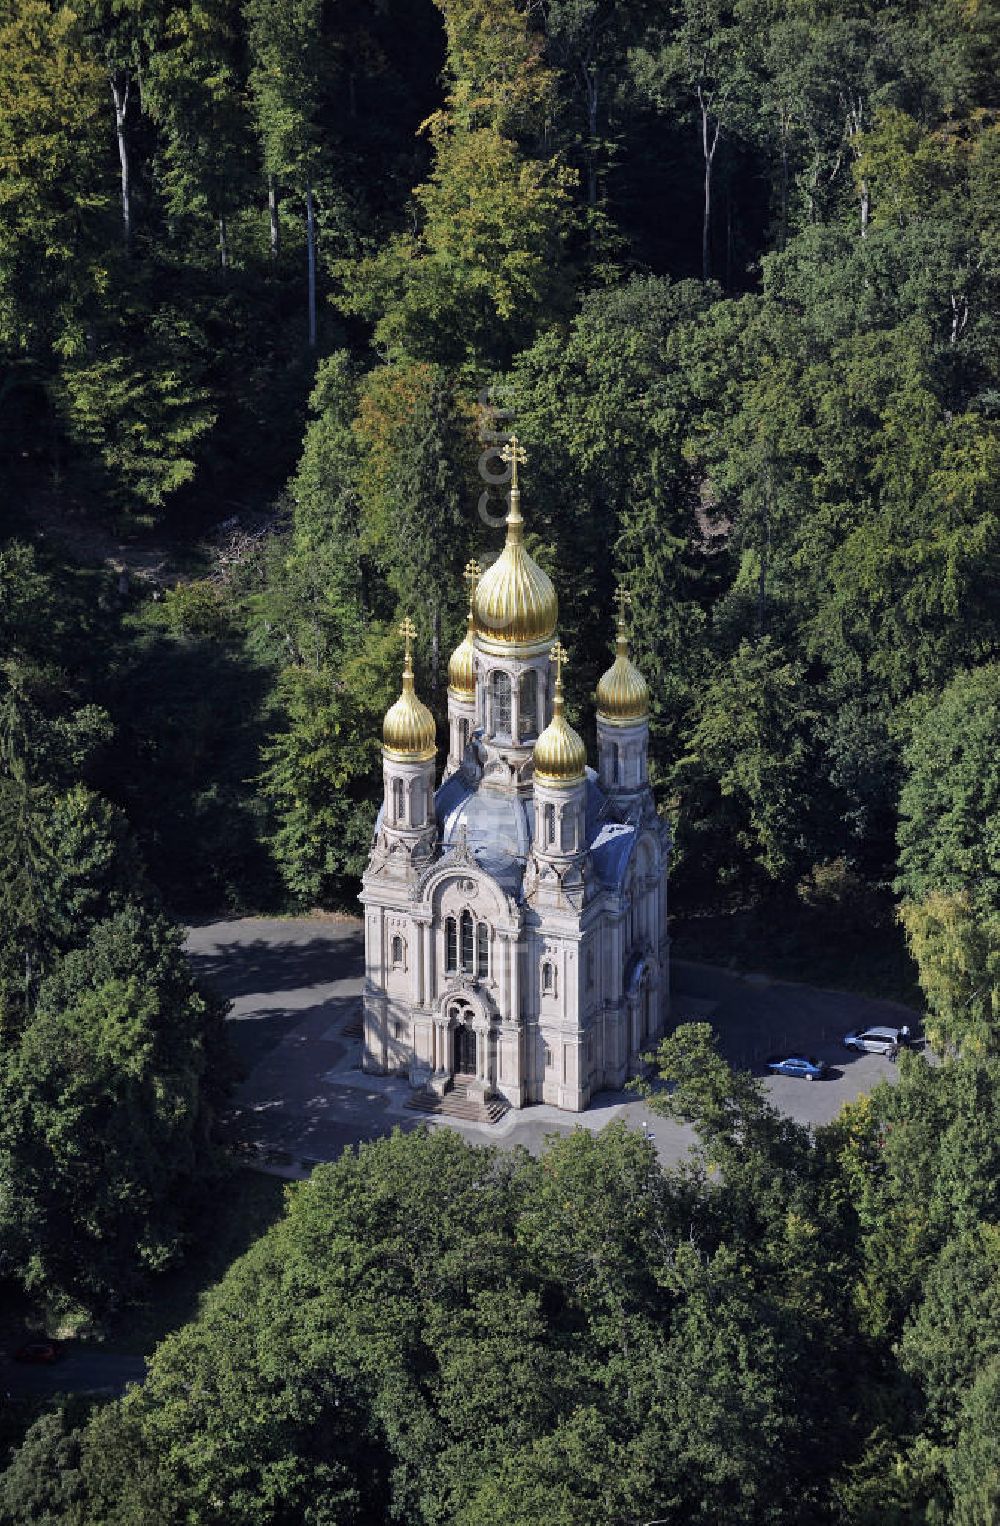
column 498, row 829
column 611, row 850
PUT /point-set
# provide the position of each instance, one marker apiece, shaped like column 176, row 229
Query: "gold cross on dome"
column 557, row 653
column 408, row 631
column 513, row 453
column 473, row 572
column 624, row 600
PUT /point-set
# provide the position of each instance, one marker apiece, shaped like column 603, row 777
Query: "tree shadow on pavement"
column 243, row 969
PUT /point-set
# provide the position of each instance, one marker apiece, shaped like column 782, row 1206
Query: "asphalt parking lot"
column 295, row 987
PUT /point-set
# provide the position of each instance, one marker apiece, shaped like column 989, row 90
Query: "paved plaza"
column 295, row 986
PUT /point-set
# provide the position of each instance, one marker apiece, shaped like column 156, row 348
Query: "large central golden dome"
column 515, row 602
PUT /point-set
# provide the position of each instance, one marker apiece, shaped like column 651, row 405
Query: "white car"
column 874, row 1041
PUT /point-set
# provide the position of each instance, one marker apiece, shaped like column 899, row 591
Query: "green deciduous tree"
column 701, row 64
column 749, row 763
column 195, row 91
column 486, row 262
column 107, row 1103
column 949, row 856
column 55, row 193
column 322, row 770
column 292, row 67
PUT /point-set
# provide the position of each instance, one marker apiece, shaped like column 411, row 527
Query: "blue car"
column 798, row 1065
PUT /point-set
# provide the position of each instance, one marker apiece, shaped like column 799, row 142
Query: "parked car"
column 798, row 1065
column 38, row 1352
column 874, row 1041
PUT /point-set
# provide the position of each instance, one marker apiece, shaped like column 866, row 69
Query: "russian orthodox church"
column 516, row 915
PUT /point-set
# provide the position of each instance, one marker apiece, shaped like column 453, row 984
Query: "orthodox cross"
column 473, row 572
column 513, row 453
column 408, row 630
column 557, row 653
column 623, row 599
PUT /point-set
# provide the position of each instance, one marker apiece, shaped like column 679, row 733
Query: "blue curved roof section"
column 611, row 850
column 498, row 830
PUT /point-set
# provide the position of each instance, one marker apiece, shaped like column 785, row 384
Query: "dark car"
column 798, row 1065
column 38, row 1352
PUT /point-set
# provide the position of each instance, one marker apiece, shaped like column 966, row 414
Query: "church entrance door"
column 465, row 1050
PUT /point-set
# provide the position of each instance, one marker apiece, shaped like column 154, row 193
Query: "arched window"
column 463, row 736
column 451, row 945
column 616, row 764
column 482, row 949
column 500, row 689
column 550, row 825
column 398, row 797
column 398, row 953
column 548, row 978
column 529, row 704
column 567, row 832
column 417, row 807
column 468, row 949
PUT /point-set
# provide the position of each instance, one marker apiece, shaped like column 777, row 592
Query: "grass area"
column 804, row 944
column 249, row 1202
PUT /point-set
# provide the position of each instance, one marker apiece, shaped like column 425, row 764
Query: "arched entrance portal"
column 460, row 1015
column 465, row 1051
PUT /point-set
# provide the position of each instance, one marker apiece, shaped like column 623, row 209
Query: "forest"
column 277, row 278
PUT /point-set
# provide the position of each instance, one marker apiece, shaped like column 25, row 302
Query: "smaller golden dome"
column 408, row 731
column 560, row 756
column 622, row 693
column 462, row 662
column 462, row 667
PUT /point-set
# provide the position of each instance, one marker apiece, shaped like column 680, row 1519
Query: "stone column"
column 422, row 993
column 417, row 984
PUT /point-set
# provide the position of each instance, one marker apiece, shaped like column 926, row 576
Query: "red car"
column 39, row 1352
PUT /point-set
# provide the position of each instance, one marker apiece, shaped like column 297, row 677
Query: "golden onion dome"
column 462, row 662
column 408, row 731
column 622, row 693
column 515, row 603
column 462, row 667
column 559, row 756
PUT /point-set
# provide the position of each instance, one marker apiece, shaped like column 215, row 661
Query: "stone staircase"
column 461, row 1104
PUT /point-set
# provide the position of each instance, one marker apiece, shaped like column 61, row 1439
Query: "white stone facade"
column 516, row 931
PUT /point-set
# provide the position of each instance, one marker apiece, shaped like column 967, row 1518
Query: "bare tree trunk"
column 706, row 217
column 765, row 551
column 959, row 315
column 591, row 87
column 272, row 211
column 311, row 258
column 783, row 222
column 709, row 143
column 120, row 86
column 853, row 129
column 223, row 244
